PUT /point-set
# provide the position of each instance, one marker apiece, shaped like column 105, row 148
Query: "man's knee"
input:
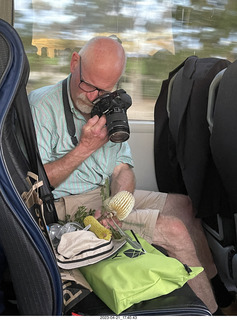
column 172, row 234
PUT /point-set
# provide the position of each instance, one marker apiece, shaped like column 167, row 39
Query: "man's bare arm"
column 123, row 178
column 93, row 136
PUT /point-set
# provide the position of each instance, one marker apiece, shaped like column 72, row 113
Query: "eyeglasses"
column 87, row 87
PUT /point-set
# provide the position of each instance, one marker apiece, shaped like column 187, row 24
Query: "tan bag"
column 34, row 203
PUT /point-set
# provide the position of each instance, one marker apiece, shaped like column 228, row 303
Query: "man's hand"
column 94, row 134
column 107, row 221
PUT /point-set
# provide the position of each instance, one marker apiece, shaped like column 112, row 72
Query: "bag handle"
column 31, row 197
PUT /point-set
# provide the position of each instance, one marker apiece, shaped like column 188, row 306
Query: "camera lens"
column 117, row 126
column 119, row 136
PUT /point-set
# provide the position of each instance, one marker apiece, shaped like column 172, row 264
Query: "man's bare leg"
column 171, row 234
column 180, row 206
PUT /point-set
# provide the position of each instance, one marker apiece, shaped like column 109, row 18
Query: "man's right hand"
column 94, row 134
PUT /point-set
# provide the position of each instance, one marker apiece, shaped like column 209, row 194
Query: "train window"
column 157, row 36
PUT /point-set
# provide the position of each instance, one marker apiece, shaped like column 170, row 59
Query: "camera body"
column 114, row 106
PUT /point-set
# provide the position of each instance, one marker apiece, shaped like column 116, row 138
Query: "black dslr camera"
column 114, row 106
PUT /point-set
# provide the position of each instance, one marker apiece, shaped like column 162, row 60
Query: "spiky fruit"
column 121, row 204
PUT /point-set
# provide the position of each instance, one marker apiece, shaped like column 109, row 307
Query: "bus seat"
column 30, row 260
column 221, row 117
column 194, row 152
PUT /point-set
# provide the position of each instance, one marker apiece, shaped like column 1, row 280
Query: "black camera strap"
column 68, row 114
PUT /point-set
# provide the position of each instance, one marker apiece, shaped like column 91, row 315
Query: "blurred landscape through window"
column 156, row 34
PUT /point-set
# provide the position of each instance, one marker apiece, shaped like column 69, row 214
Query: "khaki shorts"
column 141, row 220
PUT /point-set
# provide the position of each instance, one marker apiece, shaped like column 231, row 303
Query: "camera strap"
column 68, row 114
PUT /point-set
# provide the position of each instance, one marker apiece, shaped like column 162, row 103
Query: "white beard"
column 82, row 104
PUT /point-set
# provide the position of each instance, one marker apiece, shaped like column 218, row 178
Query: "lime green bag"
column 131, row 276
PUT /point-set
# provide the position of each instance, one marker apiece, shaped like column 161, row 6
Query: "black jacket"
column 183, row 161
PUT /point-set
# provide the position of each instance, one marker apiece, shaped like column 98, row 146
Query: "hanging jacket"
column 183, row 161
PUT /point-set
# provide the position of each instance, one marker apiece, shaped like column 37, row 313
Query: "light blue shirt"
column 54, row 142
